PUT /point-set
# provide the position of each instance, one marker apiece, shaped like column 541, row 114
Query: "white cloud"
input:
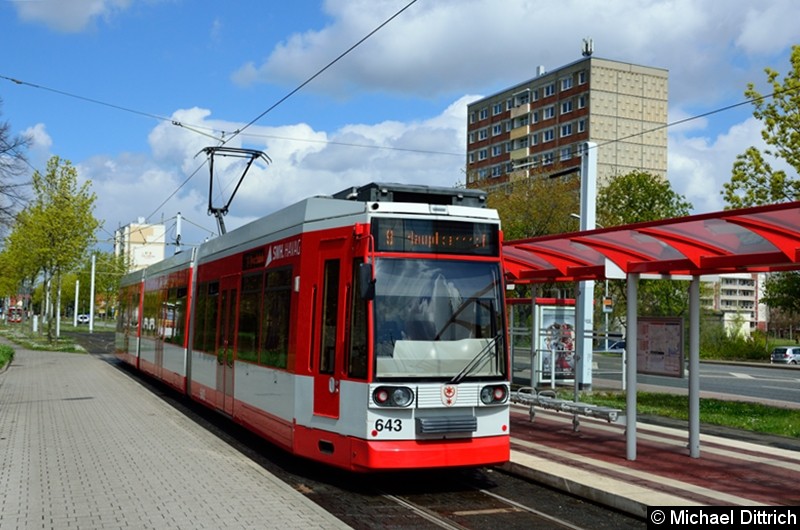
column 767, row 26
column 699, row 166
column 41, row 142
column 453, row 46
column 304, row 162
column 69, row 17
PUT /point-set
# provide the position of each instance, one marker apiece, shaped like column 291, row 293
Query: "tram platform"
column 84, row 446
column 72, row 454
column 735, row 468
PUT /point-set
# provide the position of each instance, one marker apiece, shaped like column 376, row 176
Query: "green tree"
column 633, row 198
column 18, row 266
column 57, row 227
column 781, row 291
column 536, row 206
column 753, row 180
column 637, row 197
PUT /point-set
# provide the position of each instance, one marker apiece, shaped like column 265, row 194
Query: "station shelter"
column 752, row 240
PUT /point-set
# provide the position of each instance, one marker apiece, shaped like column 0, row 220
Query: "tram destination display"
column 435, row 236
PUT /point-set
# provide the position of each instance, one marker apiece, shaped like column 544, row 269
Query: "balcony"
column 521, row 110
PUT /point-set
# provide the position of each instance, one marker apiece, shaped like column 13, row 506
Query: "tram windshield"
column 438, row 319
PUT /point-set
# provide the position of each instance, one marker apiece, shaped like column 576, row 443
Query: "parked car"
column 785, row 355
column 618, row 346
column 83, row 319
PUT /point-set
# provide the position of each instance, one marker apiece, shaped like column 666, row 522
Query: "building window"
column 484, row 114
column 523, row 98
column 566, row 130
column 509, row 104
column 548, row 135
column 566, row 154
column 497, row 129
column 548, row 112
column 497, row 171
column 535, row 139
column 566, row 83
column 482, row 173
column 509, row 125
column 547, row 159
column 497, row 150
column 483, row 134
column 536, row 95
column 566, row 106
column 471, row 158
column 472, row 137
column 581, row 126
column 549, row 90
column 497, row 109
column 582, row 101
column 482, row 154
column 535, row 116
column 522, row 142
column 522, row 121
column 472, row 117
column 582, row 77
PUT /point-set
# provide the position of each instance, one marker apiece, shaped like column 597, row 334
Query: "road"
column 746, row 381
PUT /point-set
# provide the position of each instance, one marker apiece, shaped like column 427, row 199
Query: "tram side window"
column 199, row 320
column 125, row 319
column 206, row 316
column 330, row 314
column 247, row 341
column 172, row 315
column 357, row 352
column 179, row 314
column 133, row 315
column 275, row 328
column 150, row 313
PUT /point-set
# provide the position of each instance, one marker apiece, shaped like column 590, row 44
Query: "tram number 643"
column 388, row 425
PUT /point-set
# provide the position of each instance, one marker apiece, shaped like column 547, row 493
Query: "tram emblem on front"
column 449, row 393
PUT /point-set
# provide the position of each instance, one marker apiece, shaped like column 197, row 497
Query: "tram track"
column 485, row 509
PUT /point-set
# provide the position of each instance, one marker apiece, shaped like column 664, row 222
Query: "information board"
column 659, row 346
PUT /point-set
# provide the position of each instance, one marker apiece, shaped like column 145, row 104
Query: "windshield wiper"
column 479, row 361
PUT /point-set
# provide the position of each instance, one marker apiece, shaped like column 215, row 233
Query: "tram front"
column 439, row 387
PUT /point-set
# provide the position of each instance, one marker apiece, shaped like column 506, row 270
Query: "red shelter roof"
column 759, row 239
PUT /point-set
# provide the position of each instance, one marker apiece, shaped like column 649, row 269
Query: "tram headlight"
column 392, row 396
column 494, row 394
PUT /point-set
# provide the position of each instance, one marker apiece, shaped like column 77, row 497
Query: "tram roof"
column 758, row 239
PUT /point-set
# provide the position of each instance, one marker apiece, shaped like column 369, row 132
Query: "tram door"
column 329, row 324
column 225, row 342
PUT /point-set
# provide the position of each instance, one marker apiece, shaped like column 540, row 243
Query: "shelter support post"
column 534, row 335
column 584, row 329
column 694, row 367
column 630, row 368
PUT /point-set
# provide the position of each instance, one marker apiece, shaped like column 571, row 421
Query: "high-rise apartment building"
column 538, row 126
column 736, row 298
column 142, row 244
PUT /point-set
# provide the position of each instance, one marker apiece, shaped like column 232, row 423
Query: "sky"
column 132, row 91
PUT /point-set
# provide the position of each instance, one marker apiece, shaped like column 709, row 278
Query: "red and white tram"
column 364, row 330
